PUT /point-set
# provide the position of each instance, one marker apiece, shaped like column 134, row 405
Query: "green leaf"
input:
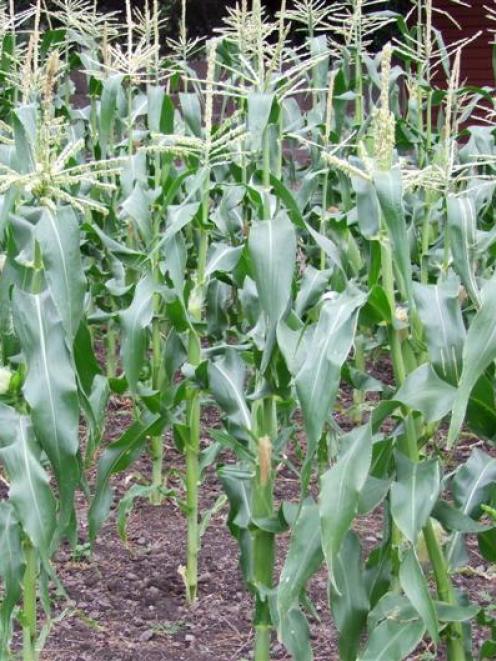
column 488, row 650
column 236, row 482
column 451, row 613
column 177, row 217
column 341, row 486
column 135, row 322
column 350, row 605
column 328, row 246
column 175, row 255
column 288, row 200
column 119, row 250
column 50, row 390
column 318, row 379
column 373, row 493
column 25, row 126
column 440, row 312
column 424, row 391
column 237, row 485
column 29, row 490
column 292, row 342
column 487, row 545
column 462, row 240
column 391, row 606
column 414, row 494
column 368, row 210
column 393, row 641
column 453, row 519
column 160, row 110
column 481, row 409
column 192, row 113
column 415, row 587
column 108, row 108
column 11, row 571
column 295, row 635
column 312, row 286
column 226, row 380
column 479, row 352
column 116, row 458
column 258, row 114
column 58, row 235
column 137, row 206
column 93, row 386
column 390, row 193
column 223, row 257
column 471, row 487
column 218, row 303
column 272, row 249
column 377, row 309
column 303, row 558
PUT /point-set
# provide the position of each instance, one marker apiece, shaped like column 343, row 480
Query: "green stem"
column 358, row 396
column 325, row 188
column 263, row 636
column 111, row 341
column 358, row 89
column 130, row 118
column 157, row 456
column 428, row 136
column 193, row 416
column 67, row 94
column 280, row 142
column 266, row 173
column 156, row 344
column 14, row 63
column 93, row 124
column 264, row 541
column 420, row 124
column 445, row 590
column 157, row 443
column 29, row 607
column 447, row 249
column 426, row 230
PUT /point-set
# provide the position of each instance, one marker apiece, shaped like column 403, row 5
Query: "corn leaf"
column 479, row 352
column 341, row 486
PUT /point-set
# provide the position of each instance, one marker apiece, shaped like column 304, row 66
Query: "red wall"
column 477, row 57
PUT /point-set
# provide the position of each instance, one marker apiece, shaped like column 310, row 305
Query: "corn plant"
column 258, row 239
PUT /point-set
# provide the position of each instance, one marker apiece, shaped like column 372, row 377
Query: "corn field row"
column 253, row 237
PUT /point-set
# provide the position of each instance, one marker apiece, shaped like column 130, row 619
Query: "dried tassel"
column 264, row 460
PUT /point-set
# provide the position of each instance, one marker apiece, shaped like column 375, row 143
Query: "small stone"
column 141, row 541
column 189, row 638
column 146, row 636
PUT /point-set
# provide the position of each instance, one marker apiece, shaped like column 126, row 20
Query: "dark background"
column 205, row 15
